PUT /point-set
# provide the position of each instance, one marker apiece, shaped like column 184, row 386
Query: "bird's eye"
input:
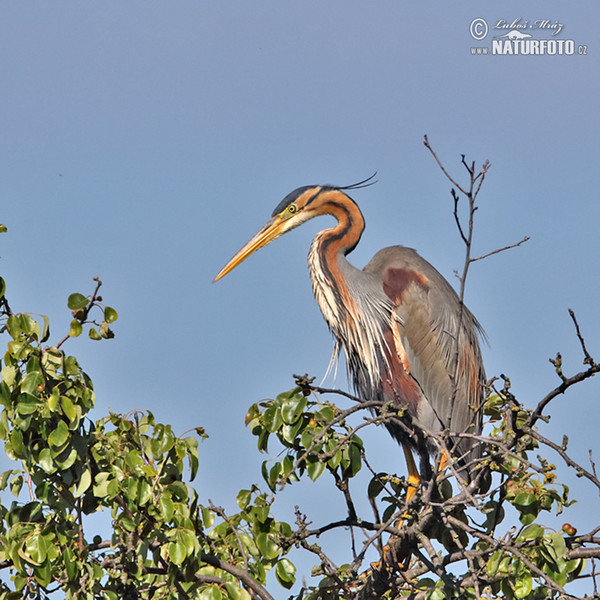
column 292, row 209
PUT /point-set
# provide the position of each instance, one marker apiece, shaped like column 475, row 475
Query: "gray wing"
column 427, row 311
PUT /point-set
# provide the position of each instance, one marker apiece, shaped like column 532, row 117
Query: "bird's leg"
column 413, row 474
column 414, row 480
column 443, row 463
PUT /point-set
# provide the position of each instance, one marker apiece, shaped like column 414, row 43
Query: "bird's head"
column 291, row 212
column 297, row 207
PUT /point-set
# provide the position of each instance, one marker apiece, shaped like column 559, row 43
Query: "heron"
column 409, row 341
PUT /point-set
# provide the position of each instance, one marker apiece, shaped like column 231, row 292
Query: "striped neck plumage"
column 355, row 324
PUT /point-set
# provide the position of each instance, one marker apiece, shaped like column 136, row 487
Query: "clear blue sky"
column 145, row 142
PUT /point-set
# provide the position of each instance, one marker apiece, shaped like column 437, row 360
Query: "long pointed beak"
column 271, row 231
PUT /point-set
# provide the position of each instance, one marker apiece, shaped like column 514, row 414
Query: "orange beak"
column 271, row 231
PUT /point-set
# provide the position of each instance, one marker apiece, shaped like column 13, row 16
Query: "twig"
column 86, row 310
column 428, row 146
column 561, row 389
column 593, row 465
column 525, row 239
column 221, row 513
column 588, row 360
column 243, row 576
column 580, row 470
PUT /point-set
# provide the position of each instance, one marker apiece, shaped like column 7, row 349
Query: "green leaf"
column 267, row 547
column 71, row 565
column 2, row 282
column 46, row 461
column 354, row 458
column 275, row 473
column 23, row 324
column 236, row 593
column 315, row 469
column 525, row 499
column 59, row 436
column 285, row 572
column 4, row 477
column 46, row 330
column 211, row 593
column 84, row 483
column 290, row 432
column 177, row 552
column 19, row 349
column 167, row 509
column 292, row 408
column 77, row 301
column 16, row 443
column 375, row 487
column 76, row 328
column 555, row 544
column 494, row 514
column 16, row 484
column 110, row 314
column 66, row 457
column 494, row 563
column 101, row 484
column 326, row 414
column 94, row 335
column 272, row 418
column 523, row 585
column 243, row 498
column 34, row 549
column 69, row 409
column 208, row 517
column 28, row 404
column 532, row 532
column 9, row 374
column 144, row 492
column 31, row 381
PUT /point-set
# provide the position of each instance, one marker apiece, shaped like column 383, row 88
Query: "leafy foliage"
column 164, row 543
column 485, row 539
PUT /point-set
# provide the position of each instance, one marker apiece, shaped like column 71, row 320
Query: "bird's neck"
column 339, row 290
column 327, row 257
column 343, row 238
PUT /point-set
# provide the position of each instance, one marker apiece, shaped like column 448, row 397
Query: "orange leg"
column 443, row 463
column 414, row 481
column 413, row 474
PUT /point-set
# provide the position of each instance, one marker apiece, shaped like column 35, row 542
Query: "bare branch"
column 218, row 510
column 561, row 389
column 428, row 146
column 588, row 360
column 525, row 239
column 561, row 451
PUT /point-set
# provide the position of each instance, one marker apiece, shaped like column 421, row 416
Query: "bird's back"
column 434, row 340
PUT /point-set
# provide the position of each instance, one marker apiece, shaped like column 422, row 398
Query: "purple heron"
column 406, row 338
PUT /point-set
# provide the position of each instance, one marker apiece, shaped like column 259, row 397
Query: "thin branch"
column 242, row 575
column 221, row 513
column 588, row 360
column 86, row 310
column 561, row 389
column 525, row 239
column 561, row 451
column 457, row 217
column 441, row 166
column 593, row 464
